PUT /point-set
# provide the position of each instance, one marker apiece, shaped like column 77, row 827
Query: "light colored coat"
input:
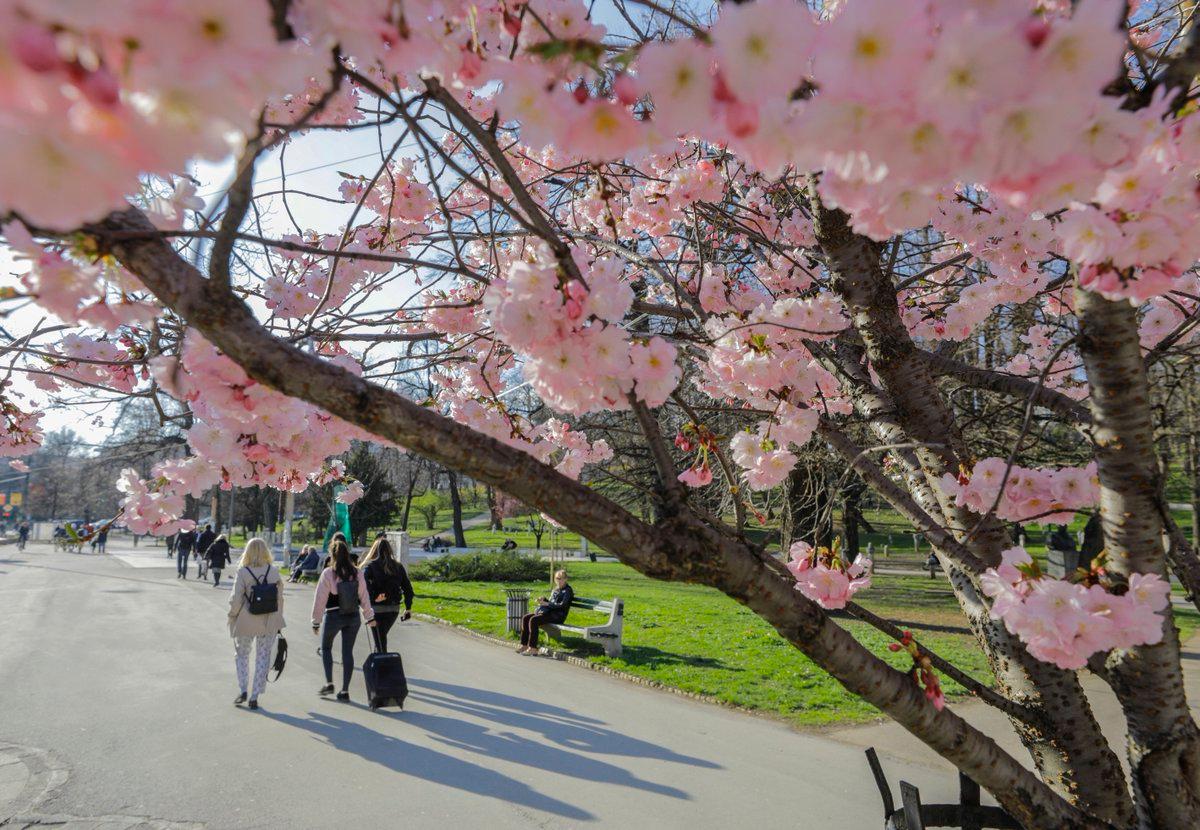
column 241, row 622
column 327, row 586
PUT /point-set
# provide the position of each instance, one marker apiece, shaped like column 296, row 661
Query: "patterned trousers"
column 264, row 650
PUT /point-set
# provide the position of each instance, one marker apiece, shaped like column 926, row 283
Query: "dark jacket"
column 559, row 604
column 185, row 541
column 394, row 585
column 204, row 540
column 311, row 562
column 218, row 554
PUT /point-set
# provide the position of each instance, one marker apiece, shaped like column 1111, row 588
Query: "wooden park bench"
column 607, row 635
column 968, row 814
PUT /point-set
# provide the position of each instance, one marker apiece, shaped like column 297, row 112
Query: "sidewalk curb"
column 564, row 657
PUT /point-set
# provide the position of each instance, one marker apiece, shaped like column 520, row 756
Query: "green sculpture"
column 339, row 518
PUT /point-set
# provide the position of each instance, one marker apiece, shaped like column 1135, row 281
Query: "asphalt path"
column 116, row 689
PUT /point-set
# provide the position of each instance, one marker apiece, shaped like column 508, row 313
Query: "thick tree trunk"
column 807, row 516
column 495, row 520
column 456, row 521
column 1164, row 742
column 1068, row 747
column 408, row 497
column 851, row 516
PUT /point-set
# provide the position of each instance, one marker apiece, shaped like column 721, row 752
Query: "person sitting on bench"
column 307, row 562
column 550, row 610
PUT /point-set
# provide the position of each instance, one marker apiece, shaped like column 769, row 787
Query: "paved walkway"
column 117, row 714
column 116, row 704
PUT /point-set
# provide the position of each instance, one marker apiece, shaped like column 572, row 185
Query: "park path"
column 117, row 713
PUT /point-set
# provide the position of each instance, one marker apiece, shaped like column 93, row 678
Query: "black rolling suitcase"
column 384, row 673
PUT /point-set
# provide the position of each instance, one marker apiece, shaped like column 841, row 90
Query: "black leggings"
column 348, row 625
column 384, row 620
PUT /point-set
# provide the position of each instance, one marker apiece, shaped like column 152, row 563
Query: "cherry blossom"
column 1064, row 622
column 823, row 577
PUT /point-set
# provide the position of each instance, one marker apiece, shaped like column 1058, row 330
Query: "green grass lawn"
column 698, row 640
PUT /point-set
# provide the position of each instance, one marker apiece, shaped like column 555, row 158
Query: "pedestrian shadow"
column 421, row 762
column 558, row 725
column 509, row 746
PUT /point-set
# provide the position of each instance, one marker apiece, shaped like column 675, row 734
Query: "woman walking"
column 218, row 558
column 254, row 618
column 550, row 610
column 341, row 593
column 387, row 584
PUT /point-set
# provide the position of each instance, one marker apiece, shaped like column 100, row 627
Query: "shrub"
column 501, row 566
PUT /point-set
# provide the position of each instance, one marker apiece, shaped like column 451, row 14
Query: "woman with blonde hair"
column 255, row 617
column 552, row 609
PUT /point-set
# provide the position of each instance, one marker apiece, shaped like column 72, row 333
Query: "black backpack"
column 264, row 596
column 347, row 594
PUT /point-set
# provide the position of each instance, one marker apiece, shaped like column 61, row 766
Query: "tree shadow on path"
column 421, row 762
column 517, row 749
column 559, row 725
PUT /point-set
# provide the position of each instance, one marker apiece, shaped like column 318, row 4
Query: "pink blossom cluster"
column 1064, row 622
column 92, row 95
column 244, row 434
column 151, row 508
column 1133, row 237
column 20, row 434
column 309, row 281
column 73, row 291
column 759, row 358
column 577, row 356
column 90, row 361
column 468, row 393
column 824, row 578
column 576, row 449
column 1030, row 494
column 353, row 492
column 339, row 109
column 252, row 434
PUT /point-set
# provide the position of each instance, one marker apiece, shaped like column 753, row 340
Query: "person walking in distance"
column 205, row 539
column 102, row 538
column 255, row 618
column 218, row 557
column 185, row 540
column 341, row 593
column 552, row 609
column 22, row 535
column 388, row 584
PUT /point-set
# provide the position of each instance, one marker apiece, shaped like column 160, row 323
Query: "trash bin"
column 518, row 606
column 1061, row 563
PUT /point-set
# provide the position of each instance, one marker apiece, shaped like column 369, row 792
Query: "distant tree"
column 429, row 509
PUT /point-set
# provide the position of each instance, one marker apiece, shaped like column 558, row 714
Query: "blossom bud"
column 101, row 88
column 625, row 88
column 36, row 47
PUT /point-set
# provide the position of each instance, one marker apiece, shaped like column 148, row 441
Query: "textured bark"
column 1164, row 742
column 1070, row 751
column 679, row 548
column 806, row 510
column 456, row 520
column 1017, row 387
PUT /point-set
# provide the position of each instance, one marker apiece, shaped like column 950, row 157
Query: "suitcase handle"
column 378, row 649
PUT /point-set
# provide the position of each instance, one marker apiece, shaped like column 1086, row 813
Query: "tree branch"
column 680, row 547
